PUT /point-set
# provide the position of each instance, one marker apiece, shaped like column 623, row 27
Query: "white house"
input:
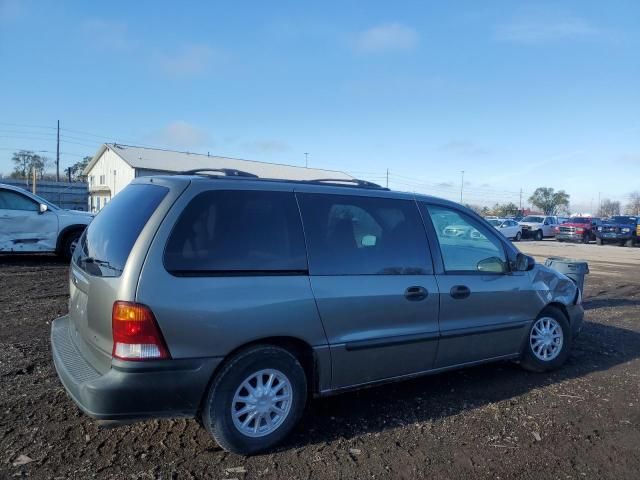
column 114, row 166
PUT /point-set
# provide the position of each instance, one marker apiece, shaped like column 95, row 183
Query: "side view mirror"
column 491, row 264
column 43, row 208
column 524, row 263
column 546, row 222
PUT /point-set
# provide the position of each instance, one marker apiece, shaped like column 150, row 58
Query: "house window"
column 101, row 179
column 91, row 180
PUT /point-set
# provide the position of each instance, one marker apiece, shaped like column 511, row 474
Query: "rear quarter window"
column 237, row 232
column 109, row 238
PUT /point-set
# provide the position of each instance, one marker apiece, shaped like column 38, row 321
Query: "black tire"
column 598, row 241
column 216, row 412
column 559, row 240
column 530, row 361
column 518, row 237
column 68, row 243
column 631, row 242
column 538, row 235
column 585, row 238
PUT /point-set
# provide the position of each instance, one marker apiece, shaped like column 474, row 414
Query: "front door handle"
column 416, row 293
column 460, row 291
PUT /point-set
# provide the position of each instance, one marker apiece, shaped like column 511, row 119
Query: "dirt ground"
column 494, row 421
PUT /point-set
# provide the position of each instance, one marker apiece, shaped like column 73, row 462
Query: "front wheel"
column 631, row 242
column 256, row 400
column 598, row 241
column 538, row 235
column 548, row 343
column 69, row 244
column 518, row 237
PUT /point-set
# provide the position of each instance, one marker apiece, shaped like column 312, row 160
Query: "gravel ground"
column 494, row 421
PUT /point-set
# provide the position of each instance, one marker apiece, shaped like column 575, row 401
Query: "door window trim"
column 432, row 236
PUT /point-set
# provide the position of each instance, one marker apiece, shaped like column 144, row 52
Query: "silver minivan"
column 234, row 299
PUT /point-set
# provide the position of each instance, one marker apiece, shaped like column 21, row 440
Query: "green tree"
column 78, row 167
column 549, row 201
column 505, row 209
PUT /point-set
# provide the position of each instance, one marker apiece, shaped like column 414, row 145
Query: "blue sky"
column 516, row 94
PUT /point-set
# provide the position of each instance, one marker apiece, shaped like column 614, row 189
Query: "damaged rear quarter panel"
column 27, row 231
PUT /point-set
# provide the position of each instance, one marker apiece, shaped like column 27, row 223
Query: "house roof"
column 171, row 161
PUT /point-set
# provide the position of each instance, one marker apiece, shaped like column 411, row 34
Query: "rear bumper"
column 129, row 390
column 576, row 318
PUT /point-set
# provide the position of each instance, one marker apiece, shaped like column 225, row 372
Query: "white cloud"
column 189, row 61
column 107, row 34
column 465, row 148
column 180, row 134
column 544, row 30
column 387, row 37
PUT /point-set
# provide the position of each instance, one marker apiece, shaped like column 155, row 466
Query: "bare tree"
column 609, row 208
column 633, row 207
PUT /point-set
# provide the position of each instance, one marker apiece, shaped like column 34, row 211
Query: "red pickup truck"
column 577, row 229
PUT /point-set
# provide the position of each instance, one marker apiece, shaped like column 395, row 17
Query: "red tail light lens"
column 136, row 335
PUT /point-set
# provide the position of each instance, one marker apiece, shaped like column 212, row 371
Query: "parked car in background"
column 562, row 220
column 577, row 229
column 509, row 228
column 538, row 226
column 31, row 224
column 234, row 298
column 620, row 229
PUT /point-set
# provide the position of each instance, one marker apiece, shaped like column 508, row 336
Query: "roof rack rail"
column 356, row 181
column 229, row 172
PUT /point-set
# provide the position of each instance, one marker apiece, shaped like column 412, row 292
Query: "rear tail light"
column 556, row 229
column 136, row 335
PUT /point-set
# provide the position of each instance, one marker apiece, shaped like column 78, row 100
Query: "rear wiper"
column 101, row 263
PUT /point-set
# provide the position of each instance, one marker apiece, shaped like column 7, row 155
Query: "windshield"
column 532, row 219
column 105, row 246
column 579, row 220
column 622, row 219
column 495, row 223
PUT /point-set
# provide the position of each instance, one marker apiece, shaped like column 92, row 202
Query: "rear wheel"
column 631, row 242
column 518, row 237
column 549, row 341
column 538, row 235
column 256, row 400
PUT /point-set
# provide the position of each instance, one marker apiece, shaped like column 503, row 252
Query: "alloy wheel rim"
column 261, row 403
column 546, row 339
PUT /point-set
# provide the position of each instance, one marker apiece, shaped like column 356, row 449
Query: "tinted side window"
column 466, row 245
column 351, row 235
column 237, row 231
column 14, row 201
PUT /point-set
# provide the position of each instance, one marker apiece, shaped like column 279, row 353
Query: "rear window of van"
column 107, row 242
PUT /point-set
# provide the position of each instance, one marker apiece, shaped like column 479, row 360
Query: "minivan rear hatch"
column 108, row 259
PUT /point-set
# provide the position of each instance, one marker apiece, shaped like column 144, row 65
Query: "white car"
column 539, row 226
column 30, row 224
column 509, row 228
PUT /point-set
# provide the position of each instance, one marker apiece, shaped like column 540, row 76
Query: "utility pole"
column 306, row 159
column 520, row 199
column 461, row 185
column 387, row 178
column 599, row 203
column 33, row 179
column 58, row 154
